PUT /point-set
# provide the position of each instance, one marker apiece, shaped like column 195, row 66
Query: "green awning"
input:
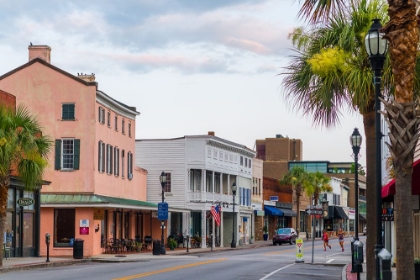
column 94, row 200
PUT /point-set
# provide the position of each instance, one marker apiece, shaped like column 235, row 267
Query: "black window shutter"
column 57, row 154
column 76, row 154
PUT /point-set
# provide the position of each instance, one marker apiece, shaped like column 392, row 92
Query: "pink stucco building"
column 95, row 192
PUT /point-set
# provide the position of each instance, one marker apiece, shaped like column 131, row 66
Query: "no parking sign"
column 299, row 250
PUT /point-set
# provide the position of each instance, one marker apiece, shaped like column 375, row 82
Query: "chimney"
column 41, row 51
column 86, row 77
column 211, row 133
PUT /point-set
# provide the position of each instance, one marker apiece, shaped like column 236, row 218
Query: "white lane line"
column 330, row 260
column 268, row 275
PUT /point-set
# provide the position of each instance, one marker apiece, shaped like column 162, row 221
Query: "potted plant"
column 172, row 243
column 417, row 268
column 265, row 235
column 138, row 246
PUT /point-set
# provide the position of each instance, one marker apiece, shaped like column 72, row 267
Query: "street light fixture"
column 356, row 142
column 376, row 47
column 233, row 244
column 162, row 178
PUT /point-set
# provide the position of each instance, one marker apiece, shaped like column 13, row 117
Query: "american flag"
column 215, row 212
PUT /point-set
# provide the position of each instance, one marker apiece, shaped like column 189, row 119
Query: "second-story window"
column 116, row 123
column 195, row 180
column 130, row 165
column 129, row 129
column 67, row 154
column 241, row 160
column 67, row 112
column 122, row 163
column 116, row 161
column 108, row 159
column 101, row 156
column 123, row 126
column 168, row 184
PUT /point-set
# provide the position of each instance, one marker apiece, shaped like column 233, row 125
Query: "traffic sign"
column 163, row 211
column 313, row 211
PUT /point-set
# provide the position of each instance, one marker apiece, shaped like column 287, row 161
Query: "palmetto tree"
column 317, row 183
column 298, row 178
column 23, row 153
column 401, row 113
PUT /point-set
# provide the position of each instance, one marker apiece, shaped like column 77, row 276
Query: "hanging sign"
column 25, row 201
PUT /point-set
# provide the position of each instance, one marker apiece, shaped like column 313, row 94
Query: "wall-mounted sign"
column 274, row 198
column 84, row 227
column 98, row 214
column 25, row 201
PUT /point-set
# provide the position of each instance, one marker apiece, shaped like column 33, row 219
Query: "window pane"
column 64, row 230
column 28, row 230
column 68, row 153
column 11, row 198
column 30, row 195
column 68, row 112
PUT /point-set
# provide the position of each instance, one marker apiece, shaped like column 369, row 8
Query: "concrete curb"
column 40, row 265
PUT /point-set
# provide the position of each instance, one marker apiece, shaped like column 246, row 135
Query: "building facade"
column 96, row 193
column 202, row 170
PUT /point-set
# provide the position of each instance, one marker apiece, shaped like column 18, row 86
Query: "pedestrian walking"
column 325, row 238
column 341, row 239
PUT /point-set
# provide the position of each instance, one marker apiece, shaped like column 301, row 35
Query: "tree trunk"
column 402, row 34
column 4, row 186
column 369, row 127
column 403, row 123
column 298, row 194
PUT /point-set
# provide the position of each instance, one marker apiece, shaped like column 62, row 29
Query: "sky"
column 189, row 67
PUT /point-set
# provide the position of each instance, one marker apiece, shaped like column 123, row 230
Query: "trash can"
column 78, row 248
column 156, row 247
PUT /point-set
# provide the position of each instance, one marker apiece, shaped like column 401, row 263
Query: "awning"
column 362, row 217
column 287, row 212
column 272, row 211
column 389, row 189
column 94, row 200
column 339, row 213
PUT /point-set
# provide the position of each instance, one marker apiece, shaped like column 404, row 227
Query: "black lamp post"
column 163, row 184
column 376, row 47
column 356, row 142
column 233, row 244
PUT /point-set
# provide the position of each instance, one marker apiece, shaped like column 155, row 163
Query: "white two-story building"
column 201, row 170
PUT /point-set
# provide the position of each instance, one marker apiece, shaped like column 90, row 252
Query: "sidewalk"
column 38, row 262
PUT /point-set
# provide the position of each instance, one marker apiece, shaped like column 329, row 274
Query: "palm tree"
column 317, row 183
column 23, row 153
column 401, row 113
column 298, row 178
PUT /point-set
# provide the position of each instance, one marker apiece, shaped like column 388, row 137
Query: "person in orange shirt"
column 325, row 238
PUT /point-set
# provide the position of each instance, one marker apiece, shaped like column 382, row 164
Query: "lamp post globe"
column 233, row 244
column 376, row 48
column 162, row 179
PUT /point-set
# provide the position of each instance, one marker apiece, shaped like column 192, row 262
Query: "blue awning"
column 272, row 211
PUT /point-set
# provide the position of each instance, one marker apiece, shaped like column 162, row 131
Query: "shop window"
column 167, row 187
column 64, row 227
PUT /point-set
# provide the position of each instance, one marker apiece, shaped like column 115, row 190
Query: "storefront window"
column 29, row 195
column 28, row 229
column 64, row 227
column 11, row 198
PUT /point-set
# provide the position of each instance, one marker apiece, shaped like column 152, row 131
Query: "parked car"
column 364, row 230
column 284, row 235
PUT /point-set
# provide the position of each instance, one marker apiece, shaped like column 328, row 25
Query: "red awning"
column 389, row 189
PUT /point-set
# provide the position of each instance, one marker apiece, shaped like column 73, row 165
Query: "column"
column 221, row 229
column 203, row 229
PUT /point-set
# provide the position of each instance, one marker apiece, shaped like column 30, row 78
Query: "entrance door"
column 28, row 234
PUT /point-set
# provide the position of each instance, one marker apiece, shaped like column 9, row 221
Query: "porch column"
column 203, row 229
column 212, row 183
column 203, row 184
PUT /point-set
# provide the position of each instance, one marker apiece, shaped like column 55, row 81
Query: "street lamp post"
column 356, row 142
column 376, row 47
column 163, row 184
column 233, row 244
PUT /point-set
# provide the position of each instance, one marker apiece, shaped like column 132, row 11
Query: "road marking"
column 167, row 269
column 329, row 261
column 268, row 275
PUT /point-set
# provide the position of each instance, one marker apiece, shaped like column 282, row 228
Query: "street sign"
column 299, row 250
column 313, row 211
column 163, row 211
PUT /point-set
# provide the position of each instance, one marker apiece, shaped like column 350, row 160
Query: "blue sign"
column 274, row 198
column 163, row 211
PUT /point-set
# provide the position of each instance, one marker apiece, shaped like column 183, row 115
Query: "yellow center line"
column 167, row 269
